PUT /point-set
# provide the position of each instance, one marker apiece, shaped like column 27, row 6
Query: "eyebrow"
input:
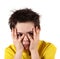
column 30, row 32
column 26, row 32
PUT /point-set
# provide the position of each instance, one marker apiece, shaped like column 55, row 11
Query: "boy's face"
column 24, row 28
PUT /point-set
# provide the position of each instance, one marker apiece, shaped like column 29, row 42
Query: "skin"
column 26, row 42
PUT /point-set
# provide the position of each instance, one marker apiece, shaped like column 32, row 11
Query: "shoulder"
column 46, row 48
column 9, row 52
column 46, row 44
column 10, row 49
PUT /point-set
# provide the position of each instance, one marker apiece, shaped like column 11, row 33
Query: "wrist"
column 19, row 51
column 18, row 54
column 35, row 54
column 34, row 50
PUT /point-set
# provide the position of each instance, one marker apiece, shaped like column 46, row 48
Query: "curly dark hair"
column 24, row 15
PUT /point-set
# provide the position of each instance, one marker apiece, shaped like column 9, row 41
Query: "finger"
column 20, row 38
column 37, row 33
column 34, row 33
column 37, row 30
column 14, row 35
column 29, row 37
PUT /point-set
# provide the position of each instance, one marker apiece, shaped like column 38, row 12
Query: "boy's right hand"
column 17, row 41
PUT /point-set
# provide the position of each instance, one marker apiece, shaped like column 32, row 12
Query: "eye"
column 30, row 33
column 19, row 34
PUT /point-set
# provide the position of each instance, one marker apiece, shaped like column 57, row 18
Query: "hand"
column 17, row 41
column 34, row 41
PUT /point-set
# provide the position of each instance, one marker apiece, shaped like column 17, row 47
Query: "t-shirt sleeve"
column 49, row 52
column 9, row 54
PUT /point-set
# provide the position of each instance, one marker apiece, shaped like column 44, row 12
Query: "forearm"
column 35, row 54
column 18, row 55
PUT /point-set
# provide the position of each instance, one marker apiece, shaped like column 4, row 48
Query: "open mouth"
column 26, row 46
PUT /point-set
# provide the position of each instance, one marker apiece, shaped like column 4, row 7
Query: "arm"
column 35, row 55
column 18, row 44
column 18, row 55
column 9, row 52
column 34, row 43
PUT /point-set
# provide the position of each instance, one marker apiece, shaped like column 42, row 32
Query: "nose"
column 25, row 38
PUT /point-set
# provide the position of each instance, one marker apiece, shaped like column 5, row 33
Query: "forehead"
column 24, row 27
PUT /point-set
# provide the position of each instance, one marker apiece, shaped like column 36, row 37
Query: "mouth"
column 26, row 46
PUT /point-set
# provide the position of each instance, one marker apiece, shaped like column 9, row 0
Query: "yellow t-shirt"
column 46, row 50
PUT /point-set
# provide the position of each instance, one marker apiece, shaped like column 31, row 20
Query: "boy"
column 25, row 28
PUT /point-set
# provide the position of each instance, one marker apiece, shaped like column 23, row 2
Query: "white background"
column 50, row 20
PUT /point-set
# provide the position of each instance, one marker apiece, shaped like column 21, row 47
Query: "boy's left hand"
column 34, row 41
